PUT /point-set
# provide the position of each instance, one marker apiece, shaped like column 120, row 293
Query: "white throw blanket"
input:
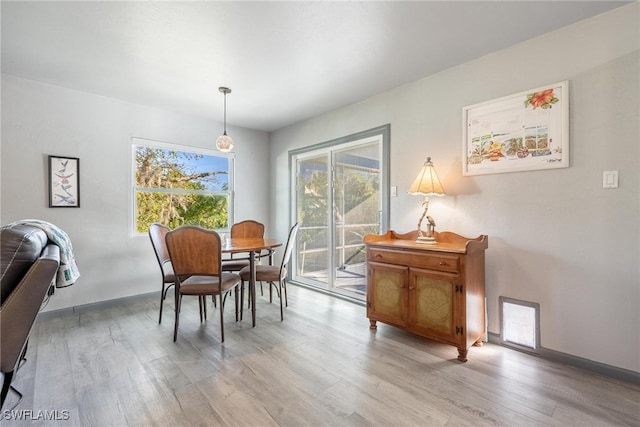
column 68, row 271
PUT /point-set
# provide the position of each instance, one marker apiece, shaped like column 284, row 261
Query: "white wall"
column 40, row 119
column 555, row 236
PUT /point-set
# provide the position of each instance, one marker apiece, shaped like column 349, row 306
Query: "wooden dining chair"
column 247, row 229
column 197, row 263
column 276, row 276
column 157, row 232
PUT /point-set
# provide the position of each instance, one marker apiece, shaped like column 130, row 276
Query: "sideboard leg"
column 462, row 354
column 479, row 343
column 372, row 324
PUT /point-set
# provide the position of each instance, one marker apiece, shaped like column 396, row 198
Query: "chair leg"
column 23, row 355
column 221, row 319
column 272, row 285
column 280, row 296
column 241, row 299
column 235, row 289
column 284, row 287
column 6, row 384
column 175, row 328
column 223, row 299
column 200, row 307
column 162, row 295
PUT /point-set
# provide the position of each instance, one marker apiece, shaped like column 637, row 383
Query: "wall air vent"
column 520, row 324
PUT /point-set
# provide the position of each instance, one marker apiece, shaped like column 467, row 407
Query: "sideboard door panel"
column 433, row 305
column 387, row 293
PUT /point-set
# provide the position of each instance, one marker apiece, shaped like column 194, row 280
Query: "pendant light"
column 224, row 142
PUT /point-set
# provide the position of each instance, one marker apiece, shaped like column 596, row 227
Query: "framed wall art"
column 521, row 132
column 64, row 182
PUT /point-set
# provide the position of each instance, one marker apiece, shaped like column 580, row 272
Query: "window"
column 178, row 185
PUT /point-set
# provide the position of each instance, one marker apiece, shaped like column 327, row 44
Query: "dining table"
column 253, row 246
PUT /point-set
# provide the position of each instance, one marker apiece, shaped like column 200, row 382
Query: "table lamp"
column 426, row 184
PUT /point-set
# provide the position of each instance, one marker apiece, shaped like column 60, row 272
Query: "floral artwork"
column 64, row 182
column 525, row 131
column 543, row 99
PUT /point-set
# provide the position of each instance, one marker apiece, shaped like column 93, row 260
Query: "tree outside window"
column 175, row 187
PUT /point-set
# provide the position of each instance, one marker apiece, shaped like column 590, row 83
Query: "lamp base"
column 426, row 240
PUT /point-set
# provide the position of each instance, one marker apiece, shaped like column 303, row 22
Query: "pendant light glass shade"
column 224, row 142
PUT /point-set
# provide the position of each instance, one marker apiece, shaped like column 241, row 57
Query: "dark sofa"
column 29, row 264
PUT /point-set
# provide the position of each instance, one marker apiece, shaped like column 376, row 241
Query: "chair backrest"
column 291, row 241
column 194, row 251
column 157, row 232
column 248, row 228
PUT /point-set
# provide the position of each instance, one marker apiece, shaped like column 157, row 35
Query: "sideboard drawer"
column 440, row 262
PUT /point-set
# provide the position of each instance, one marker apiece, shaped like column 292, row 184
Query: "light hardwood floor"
column 322, row 366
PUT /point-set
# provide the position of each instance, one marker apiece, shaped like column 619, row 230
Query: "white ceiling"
column 284, row 61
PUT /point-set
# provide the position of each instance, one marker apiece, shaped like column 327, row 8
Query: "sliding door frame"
column 383, row 132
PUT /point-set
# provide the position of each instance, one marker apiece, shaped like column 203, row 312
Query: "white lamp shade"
column 224, row 143
column 427, row 182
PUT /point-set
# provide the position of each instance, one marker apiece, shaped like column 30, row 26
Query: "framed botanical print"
column 64, row 182
column 521, row 132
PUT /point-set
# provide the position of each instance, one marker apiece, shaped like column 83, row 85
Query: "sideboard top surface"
column 445, row 242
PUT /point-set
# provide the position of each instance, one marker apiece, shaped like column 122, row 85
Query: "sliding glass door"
column 339, row 196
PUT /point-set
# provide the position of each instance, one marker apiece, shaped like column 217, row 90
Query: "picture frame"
column 525, row 131
column 64, row 182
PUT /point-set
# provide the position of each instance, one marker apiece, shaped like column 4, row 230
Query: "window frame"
column 133, row 188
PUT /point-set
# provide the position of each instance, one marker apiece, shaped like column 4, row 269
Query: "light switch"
column 394, row 191
column 610, row 179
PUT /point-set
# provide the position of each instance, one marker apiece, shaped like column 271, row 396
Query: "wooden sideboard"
column 432, row 290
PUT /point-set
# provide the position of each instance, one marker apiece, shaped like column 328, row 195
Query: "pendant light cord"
column 225, row 112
